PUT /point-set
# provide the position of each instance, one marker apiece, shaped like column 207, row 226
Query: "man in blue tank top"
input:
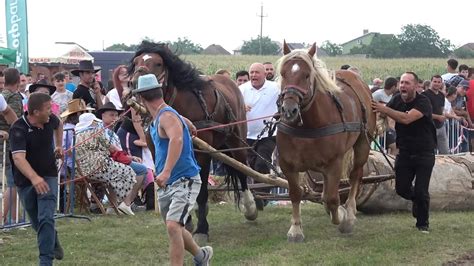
column 177, row 169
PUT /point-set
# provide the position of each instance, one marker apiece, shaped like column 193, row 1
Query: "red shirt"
column 470, row 99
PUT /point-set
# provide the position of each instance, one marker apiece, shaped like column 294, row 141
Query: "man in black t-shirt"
column 86, row 73
column 416, row 140
column 35, row 172
column 436, row 98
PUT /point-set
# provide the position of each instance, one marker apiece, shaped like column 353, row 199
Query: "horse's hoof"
column 201, row 239
column 347, row 225
column 250, row 209
column 251, row 216
column 296, row 238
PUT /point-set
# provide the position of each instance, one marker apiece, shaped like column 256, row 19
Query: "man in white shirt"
column 451, row 68
column 260, row 96
column 389, row 88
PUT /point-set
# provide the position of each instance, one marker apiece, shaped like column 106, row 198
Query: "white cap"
column 85, row 120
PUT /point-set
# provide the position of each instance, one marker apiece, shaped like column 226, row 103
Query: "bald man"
column 260, row 96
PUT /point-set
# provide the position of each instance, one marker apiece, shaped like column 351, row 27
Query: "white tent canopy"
column 63, row 53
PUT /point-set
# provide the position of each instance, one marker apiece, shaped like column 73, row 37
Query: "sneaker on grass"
column 125, row 209
column 207, row 256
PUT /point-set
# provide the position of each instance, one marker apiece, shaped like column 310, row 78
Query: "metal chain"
column 270, row 126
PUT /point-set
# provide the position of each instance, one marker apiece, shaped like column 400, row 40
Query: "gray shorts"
column 177, row 200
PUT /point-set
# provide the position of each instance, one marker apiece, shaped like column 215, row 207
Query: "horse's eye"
column 158, row 65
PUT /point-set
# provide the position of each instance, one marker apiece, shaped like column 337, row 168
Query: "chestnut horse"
column 322, row 121
column 206, row 101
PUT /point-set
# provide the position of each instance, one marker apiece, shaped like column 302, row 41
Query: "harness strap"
column 319, row 132
column 202, row 102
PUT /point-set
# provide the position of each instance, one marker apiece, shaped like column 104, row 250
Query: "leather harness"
column 330, row 129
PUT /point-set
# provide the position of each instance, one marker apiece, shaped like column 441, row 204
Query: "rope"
column 233, row 123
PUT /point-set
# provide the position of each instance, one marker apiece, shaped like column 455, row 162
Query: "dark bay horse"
column 206, row 101
column 322, row 122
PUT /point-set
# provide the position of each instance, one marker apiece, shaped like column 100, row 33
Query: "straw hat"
column 74, row 106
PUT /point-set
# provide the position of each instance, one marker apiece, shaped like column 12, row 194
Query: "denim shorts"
column 178, row 199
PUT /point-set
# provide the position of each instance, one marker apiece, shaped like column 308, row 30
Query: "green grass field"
column 388, row 239
column 370, row 68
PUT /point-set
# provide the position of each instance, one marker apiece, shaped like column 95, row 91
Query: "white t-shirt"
column 262, row 103
column 114, row 98
column 447, row 106
column 3, row 104
column 446, row 77
column 381, row 96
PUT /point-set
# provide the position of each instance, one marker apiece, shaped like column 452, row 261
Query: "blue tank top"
column 186, row 166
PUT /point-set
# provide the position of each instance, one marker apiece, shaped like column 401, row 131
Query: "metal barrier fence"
column 13, row 214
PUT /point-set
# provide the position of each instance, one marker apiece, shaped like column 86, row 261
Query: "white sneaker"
column 125, row 209
column 208, row 252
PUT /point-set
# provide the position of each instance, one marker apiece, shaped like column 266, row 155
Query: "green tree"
column 185, row 46
column 381, row 46
column 252, row 47
column 333, row 49
column 418, row 40
column 464, row 53
column 384, row 46
column 119, row 47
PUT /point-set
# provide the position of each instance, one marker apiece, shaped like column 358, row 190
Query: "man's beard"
column 269, row 76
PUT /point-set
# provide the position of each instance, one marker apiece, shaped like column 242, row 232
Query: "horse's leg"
column 201, row 235
column 361, row 151
column 331, row 191
column 248, row 202
column 295, row 234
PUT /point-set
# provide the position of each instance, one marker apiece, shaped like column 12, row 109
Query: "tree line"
column 415, row 40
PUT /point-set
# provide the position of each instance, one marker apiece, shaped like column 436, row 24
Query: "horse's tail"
column 232, row 181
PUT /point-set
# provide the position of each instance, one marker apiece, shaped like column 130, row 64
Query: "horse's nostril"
column 294, row 111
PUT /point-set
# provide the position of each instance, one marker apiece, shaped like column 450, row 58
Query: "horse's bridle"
column 300, row 92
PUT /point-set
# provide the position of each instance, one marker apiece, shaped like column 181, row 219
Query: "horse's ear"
column 286, row 49
column 312, row 50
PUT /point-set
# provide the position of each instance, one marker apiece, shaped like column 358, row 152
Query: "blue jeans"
column 40, row 209
column 138, row 168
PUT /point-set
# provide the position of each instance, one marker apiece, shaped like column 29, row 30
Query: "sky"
column 97, row 24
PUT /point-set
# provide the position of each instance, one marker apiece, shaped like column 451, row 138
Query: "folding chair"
column 85, row 183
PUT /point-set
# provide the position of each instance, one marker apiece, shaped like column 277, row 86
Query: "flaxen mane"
column 319, row 73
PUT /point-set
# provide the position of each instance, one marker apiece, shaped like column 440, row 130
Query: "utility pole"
column 261, row 28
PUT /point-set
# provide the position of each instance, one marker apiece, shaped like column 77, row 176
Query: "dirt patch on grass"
column 466, row 259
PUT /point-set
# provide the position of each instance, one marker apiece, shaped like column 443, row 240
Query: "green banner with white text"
column 17, row 32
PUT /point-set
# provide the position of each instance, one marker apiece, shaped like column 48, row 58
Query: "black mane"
column 181, row 74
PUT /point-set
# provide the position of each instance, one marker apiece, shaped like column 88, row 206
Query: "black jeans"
column 407, row 167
